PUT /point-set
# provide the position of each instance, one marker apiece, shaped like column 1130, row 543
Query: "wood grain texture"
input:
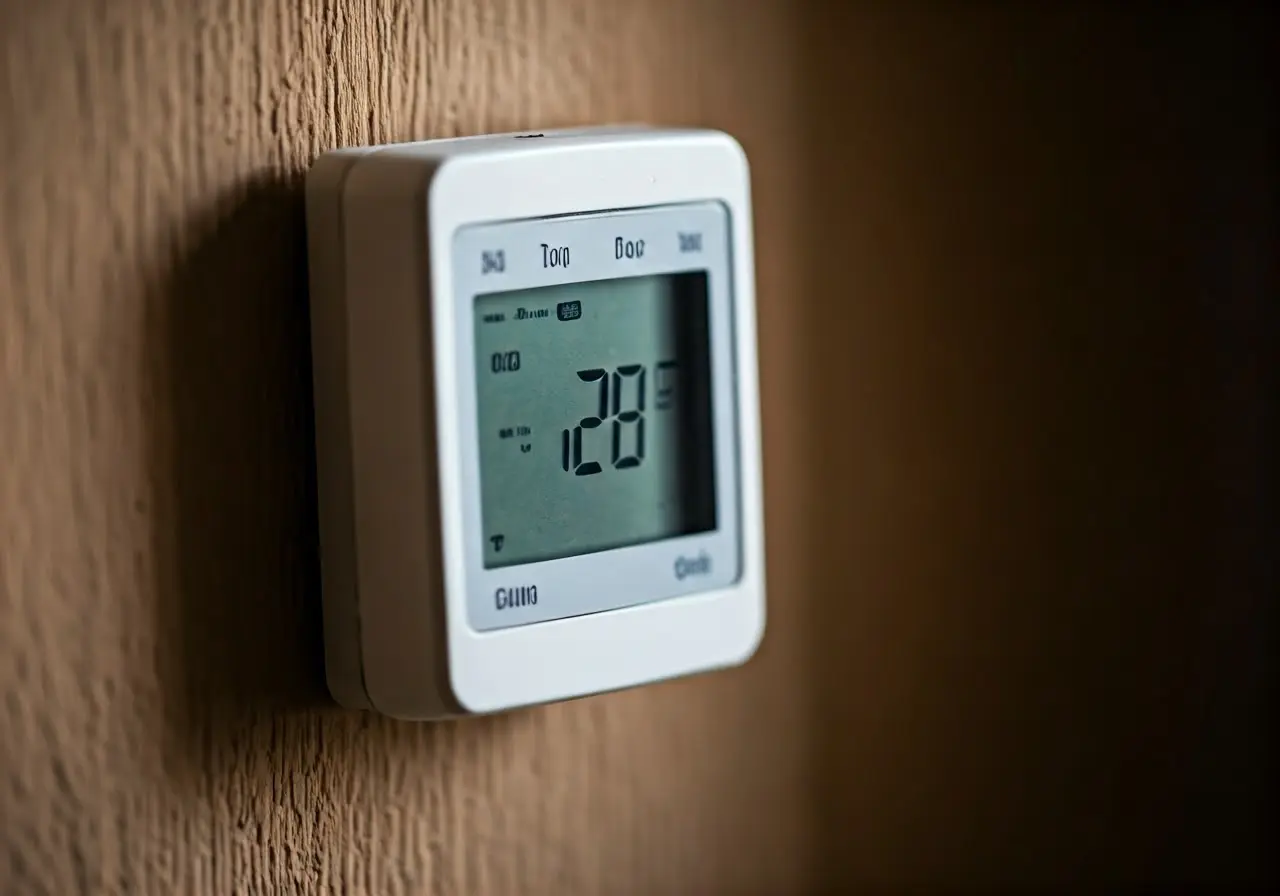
column 1018, row 323
column 164, row 728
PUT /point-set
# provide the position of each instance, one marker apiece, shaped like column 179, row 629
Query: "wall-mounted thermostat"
column 537, row 423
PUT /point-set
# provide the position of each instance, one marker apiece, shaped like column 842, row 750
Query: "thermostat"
column 537, row 423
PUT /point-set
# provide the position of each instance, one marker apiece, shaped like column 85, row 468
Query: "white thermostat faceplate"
column 537, row 416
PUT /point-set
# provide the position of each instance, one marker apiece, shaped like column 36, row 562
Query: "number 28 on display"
column 628, row 425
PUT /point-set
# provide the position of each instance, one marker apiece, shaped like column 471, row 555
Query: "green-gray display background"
column 532, row 508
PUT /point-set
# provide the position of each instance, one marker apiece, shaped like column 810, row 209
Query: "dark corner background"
column 1041, row 299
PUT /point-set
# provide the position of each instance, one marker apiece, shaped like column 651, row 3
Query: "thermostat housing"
column 537, row 416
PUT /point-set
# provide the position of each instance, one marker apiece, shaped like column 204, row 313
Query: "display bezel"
column 602, row 651
column 635, row 574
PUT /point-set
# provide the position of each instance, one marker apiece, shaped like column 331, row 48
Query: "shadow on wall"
column 235, row 459
column 237, row 530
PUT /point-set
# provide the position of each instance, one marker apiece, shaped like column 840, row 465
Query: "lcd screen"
column 594, row 414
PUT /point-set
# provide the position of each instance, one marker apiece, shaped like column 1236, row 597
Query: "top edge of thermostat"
column 534, row 139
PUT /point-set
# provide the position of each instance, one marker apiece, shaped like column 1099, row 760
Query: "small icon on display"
column 569, row 310
column 497, row 542
column 666, row 391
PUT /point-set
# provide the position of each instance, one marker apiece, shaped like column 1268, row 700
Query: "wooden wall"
column 1046, row 340
column 1017, row 303
column 163, row 725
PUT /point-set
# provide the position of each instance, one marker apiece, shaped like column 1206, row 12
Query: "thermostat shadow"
column 242, row 661
column 235, row 465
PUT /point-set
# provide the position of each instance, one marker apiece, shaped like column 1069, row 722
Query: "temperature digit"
column 632, row 416
column 628, row 424
column 571, row 442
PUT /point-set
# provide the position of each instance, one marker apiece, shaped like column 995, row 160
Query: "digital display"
column 594, row 414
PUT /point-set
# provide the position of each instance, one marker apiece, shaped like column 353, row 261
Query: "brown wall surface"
column 163, row 726
column 1018, row 325
column 1042, row 247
